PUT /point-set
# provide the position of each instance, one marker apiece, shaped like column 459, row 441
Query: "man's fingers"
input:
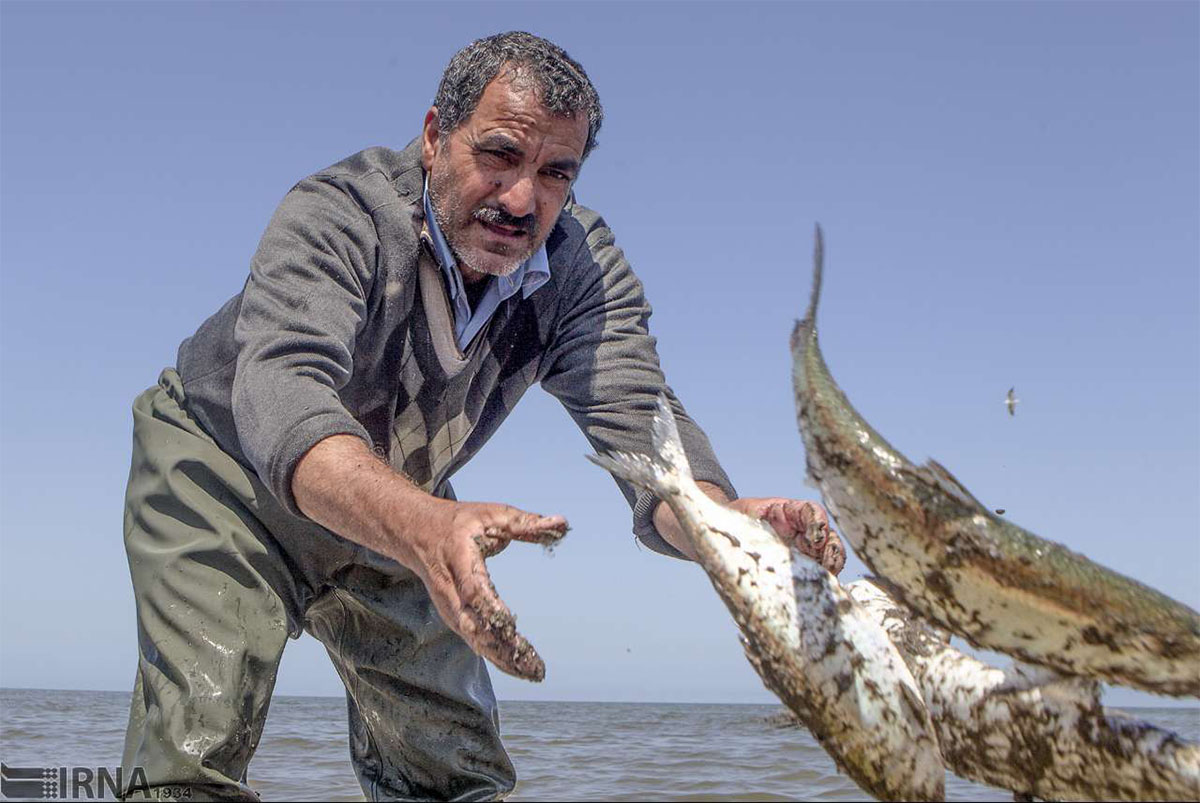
column 443, row 592
column 802, row 523
column 806, row 526
column 496, row 638
column 818, row 540
column 813, row 523
column 776, row 516
column 833, row 557
column 489, row 545
column 489, row 627
column 505, row 524
column 517, row 525
column 808, row 523
column 811, row 512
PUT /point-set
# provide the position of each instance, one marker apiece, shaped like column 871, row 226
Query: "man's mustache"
column 499, row 217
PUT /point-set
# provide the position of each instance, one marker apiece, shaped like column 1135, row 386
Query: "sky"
column 1010, row 195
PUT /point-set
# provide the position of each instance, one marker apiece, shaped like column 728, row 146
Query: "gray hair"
column 561, row 84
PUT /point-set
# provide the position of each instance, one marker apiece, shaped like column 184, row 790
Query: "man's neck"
column 475, row 287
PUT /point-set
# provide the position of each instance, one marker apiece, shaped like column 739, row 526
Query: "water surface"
column 562, row 751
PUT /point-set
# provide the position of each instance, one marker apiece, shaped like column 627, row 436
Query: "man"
column 292, row 472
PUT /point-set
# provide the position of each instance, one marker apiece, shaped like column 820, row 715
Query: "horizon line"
column 1168, row 703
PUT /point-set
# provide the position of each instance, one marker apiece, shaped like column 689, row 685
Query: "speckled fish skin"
column 1031, row 730
column 979, row 576
column 812, row 645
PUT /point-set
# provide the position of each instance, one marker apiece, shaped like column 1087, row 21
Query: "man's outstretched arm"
column 603, row 366
column 343, row 486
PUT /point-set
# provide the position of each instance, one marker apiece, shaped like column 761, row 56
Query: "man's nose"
column 518, row 197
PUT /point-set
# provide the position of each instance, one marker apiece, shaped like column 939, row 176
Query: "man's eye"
column 557, row 175
column 501, row 157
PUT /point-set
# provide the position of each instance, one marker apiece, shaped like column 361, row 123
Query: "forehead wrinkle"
column 515, row 136
column 522, row 113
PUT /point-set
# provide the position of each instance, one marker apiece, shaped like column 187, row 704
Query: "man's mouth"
column 511, row 232
column 504, row 225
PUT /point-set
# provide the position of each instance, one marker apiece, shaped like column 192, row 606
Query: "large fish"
column 813, row 646
column 1031, row 730
column 981, row 577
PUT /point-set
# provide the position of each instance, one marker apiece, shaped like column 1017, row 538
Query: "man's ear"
column 429, row 138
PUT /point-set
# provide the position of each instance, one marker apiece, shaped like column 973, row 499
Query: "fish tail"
column 804, row 328
column 810, row 316
column 662, row 473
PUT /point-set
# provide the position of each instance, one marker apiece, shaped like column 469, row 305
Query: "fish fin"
column 661, row 473
column 639, row 469
column 937, row 474
column 917, row 710
column 1022, row 677
column 664, row 434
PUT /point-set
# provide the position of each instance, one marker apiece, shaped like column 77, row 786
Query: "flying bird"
column 1010, row 401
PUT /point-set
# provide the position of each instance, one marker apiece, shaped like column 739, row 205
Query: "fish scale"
column 1034, row 732
column 816, row 648
column 981, row 577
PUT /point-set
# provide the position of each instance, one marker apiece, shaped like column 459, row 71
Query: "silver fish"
column 981, row 577
column 1030, row 730
column 812, row 645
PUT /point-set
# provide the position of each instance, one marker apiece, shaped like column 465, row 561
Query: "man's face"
column 499, row 180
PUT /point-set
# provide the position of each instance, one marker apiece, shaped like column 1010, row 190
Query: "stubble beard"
column 453, row 221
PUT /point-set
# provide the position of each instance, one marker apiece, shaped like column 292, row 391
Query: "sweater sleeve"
column 603, row 367
column 301, row 310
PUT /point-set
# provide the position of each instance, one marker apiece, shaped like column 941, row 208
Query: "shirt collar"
column 528, row 277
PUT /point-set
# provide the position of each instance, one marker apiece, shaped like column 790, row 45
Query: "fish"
column 810, row 642
column 1031, row 730
column 981, row 577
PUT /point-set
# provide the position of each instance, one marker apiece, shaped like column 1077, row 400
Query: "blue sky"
column 1009, row 194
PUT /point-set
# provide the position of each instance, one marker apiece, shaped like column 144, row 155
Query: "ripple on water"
column 21, row 735
column 574, row 751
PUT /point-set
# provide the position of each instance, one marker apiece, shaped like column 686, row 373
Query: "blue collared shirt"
column 528, row 277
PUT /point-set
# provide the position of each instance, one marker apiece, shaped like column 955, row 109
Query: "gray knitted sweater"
column 344, row 326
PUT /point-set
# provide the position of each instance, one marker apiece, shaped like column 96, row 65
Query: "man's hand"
column 449, row 559
column 343, row 486
column 797, row 523
column 801, row 524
